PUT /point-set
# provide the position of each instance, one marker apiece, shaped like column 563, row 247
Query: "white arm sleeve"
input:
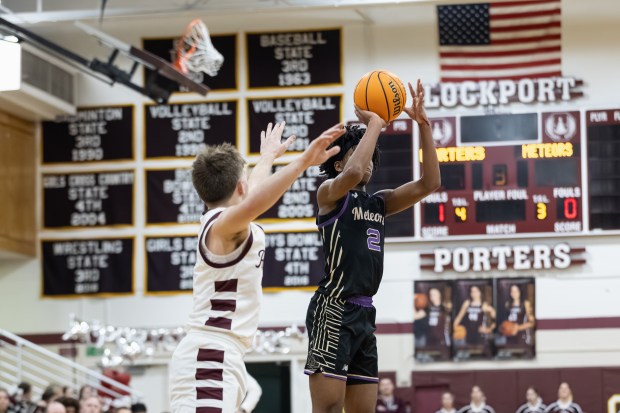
column 252, row 396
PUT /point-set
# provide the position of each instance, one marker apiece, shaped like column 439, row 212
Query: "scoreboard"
column 506, row 174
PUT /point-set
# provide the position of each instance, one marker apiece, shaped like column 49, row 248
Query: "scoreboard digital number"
column 506, row 174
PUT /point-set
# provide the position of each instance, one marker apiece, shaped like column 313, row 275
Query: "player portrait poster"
column 474, row 319
column 516, row 319
column 432, row 320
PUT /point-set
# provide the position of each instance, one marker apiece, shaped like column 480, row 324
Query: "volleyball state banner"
column 306, row 117
column 179, row 129
column 293, row 59
column 92, row 135
column 87, row 267
column 292, row 260
column 170, row 263
column 226, row 77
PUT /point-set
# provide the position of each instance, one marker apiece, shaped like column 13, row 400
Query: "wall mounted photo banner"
column 87, row 267
column 92, row 135
column 432, row 320
column 294, row 59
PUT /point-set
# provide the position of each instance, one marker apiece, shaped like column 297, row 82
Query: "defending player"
column 342, row 354
column 207, row 373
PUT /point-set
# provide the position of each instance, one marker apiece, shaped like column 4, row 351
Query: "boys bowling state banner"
column 87, row 267
column 292, row 260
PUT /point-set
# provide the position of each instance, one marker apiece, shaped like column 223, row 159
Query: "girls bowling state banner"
column 170, row 263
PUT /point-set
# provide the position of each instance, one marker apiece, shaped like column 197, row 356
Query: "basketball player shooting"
column 207, row 373
column 342, row 354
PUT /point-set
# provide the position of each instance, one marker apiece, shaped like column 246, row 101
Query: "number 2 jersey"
column 353, row 235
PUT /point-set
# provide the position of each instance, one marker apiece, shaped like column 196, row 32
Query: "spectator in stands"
column 24, row 398
column 252, row 396
column 91, row 405
column 5, row 401
column 55, row 407
column 68, row 392
column 533, row 403
column 387, row 402
column 51, row 393
column 86, row 391
column 447, row 403
column 565, row 403
column 138, row 408
column 71, row 405
column 478, row 403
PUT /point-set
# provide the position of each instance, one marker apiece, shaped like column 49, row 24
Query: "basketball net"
column 194, row 51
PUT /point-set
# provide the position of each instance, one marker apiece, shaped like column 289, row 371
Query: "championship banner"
column 88, row 199
column 171, row 197
column 226, row 78
column 170, row 263
column 293, row 59
column 516, row 320
column 92, row 135
column 432, row 323
column 306, row 117
column 179, row 129
column 299, row 201
column 474, row 319
column 93, row 267
column 292, row 260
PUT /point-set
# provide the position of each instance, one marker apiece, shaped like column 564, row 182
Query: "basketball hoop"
column 195, row 52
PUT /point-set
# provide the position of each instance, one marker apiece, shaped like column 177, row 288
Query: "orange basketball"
column 460, row 333
column 381, row 92
column 420, row 301
column 508, row 328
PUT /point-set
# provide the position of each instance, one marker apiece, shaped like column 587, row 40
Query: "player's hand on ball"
column 271, row 144
column 365, row 116
column 317, row 151
column 416, row 111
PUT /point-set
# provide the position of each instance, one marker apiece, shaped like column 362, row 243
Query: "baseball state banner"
column 87, row 267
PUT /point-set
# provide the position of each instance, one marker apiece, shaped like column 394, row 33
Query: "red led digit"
column 442, row 215
column 570, row 208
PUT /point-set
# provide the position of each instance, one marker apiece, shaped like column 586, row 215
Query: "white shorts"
column 207, row 374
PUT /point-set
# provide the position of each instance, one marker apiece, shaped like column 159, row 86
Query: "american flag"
column 500, row 40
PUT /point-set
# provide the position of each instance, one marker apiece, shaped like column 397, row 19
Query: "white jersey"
column 228, row 289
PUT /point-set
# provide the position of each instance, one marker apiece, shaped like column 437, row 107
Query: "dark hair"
column 534, row 389
column 84, row 387
column 350, row 139
column 472, row 286
column 25, row 387
column 70, row 402
column 49, row 392
column 522, row 296
column 216, row 171
column 138, row 408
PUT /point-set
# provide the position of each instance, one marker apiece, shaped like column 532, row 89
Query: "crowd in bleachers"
column 57, row 399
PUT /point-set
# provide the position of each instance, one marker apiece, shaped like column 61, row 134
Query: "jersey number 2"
column 374, row 239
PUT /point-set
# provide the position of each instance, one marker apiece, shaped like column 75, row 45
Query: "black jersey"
column 437, row 325
column 353, row 236
column 473, row 320
column 558, row 408
column 479, row 409
column 528, row 408
column 518, row 315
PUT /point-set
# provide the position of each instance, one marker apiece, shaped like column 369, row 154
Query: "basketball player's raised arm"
column 405, row 196
column 332, row 190
column 271, row 148
column 235, row 219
